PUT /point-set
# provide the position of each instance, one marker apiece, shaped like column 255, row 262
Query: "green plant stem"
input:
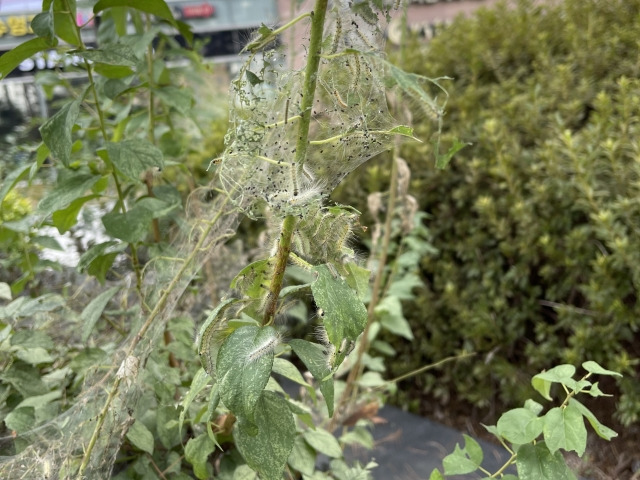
column 507, row 464
column 351, row 388
column 278, row 31
column 141, row 333
column 308, row 93
column 134, row 253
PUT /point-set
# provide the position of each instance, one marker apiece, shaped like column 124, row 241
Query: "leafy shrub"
column 536, row 223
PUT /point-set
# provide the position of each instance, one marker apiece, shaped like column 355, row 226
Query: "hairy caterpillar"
column 356, row 76
column 339, row 99
column 336, row 36
column 286, row 112
column 268, row 345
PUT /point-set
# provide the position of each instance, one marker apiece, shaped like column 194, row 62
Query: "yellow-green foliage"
column 14, row 206
column 537, row 223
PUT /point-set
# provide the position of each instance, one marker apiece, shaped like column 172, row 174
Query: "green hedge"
column 537, row 223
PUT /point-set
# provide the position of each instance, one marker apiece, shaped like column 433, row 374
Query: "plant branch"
column 308, row 93
column 162, row 301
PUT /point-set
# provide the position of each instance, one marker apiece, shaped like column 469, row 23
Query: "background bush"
column 537, row 223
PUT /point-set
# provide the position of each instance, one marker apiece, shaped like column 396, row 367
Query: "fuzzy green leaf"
column 564, row 428
column 132, row 157
column 93, row 311
column 536, row 462
column 519, row 426
column 345, row 316
column 244, row 366
column 602, row 430
column 140, row 437
column 267, row 452
column 197, row 451
column 56, row 131
column 323, row 442
column 14, row 57
column 315, row 359
column 98, row 259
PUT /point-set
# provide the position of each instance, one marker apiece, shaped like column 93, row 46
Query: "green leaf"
column 175, row 97
column 56, row 131
column 39, row 401
column 358, row 279
column 602, row 430
column 302, row 457
column 534, row 406
column 593, row 367
column 288, row 370
column 323, row 442
column 167, row 426
column 66, row 218
column 92, row 312
column 42, row 26
column 14, row 57
column 564, row 428
column 519, row 425
column 197, row 451
column 199, row 382
column 389, row 311
column 140, row 437
column 132, row 157
column 211, row 335
column 443, row 160
column 345, row 316
column 159, row 8
column 267, row 452
column 474, row 450
column 459, row 462
column 251, row 278
column 253, row 78
column 98, row 259
column 64, row 21
column 111, row 54
column 436, row 475
column 558, row 374
column 315, row 359
column 244, row 366
column 10, row 181
column 536, row 462
column 131, row 227
column 543, row 387
column 66, row 192
column 158, row 208
column 20, row 419
column 5, row 291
